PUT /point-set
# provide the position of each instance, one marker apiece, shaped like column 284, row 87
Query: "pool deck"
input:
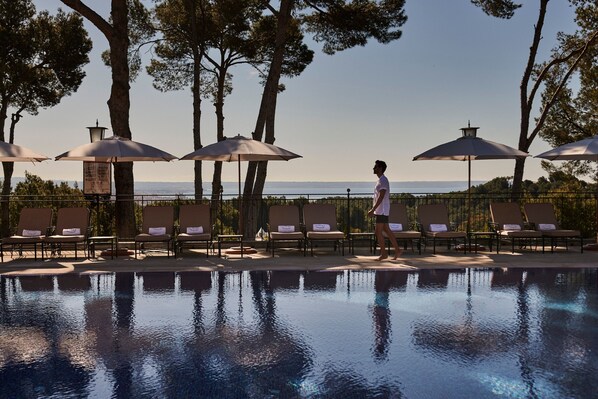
column 293, row 260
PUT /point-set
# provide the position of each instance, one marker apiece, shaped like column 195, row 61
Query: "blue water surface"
column 351, row 334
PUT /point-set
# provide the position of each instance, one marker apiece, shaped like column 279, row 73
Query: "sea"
column 297, row 188
column 308, row 187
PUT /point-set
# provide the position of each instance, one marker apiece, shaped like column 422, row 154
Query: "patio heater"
column 96, row 133
column 469, row 131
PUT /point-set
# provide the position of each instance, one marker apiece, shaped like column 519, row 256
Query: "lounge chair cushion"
column 395, row 226
column 446, row 234
column 152, row 238
column 22, row 240
column 74, row 231
column 31, row 233
column 561, row 233
column 286, row 229
column 195, row 230
column 321, row 227
column 156, row 231
column 520, row 233
column 296, row 235
column 56, row 238
column 546, row 226
column 511, row 227
column 194, row 237
column 405, row 234
column 325, row 235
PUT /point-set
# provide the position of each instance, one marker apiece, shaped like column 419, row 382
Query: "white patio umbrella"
column 115, row 149
column 15, row 153
column 469, row 147
column 238, row 149
column 582, row 150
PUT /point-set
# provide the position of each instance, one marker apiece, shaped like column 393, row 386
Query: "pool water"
column 352, row 334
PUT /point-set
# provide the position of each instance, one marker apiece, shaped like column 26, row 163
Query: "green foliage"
column 497, row 8
column 297, row 56
column 41, row 56
column 341, row 25
column 574, row 115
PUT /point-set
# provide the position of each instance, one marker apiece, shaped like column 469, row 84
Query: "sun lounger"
column 195, row 226
column 320, row 225
column 34, row 225
column 284, row 225
column 434, row 224
column 72, row 229
column 542, row 218
column 157, row 227
column 401, row 227
column 508, row 224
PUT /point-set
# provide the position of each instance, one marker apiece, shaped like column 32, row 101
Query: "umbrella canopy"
column 15, row 153
column 237, row 149
column 115, row 149
column 583, row 150
column 467, row 148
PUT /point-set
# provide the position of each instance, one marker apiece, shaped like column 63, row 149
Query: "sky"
column 453, row 64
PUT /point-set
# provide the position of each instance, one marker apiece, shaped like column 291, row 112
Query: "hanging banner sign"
column 97, row 178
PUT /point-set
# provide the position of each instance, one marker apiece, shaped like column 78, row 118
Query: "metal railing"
column 574, row 210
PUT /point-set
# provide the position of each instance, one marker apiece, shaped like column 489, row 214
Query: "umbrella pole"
column 240, row 202
column 468, row 194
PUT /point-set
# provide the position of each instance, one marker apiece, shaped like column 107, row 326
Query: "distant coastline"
column 295, row 188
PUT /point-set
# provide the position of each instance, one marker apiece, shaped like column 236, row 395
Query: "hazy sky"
column 390, row 102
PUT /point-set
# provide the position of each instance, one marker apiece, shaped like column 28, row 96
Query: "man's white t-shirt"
column 384, row 207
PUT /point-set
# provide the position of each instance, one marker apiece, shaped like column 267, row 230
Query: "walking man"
column 380, row 211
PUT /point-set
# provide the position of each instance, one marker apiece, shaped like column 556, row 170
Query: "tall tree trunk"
column 8, row 168
column 119, row 105
column 526, row 101
column 219, row 110
column 191, row 7
column 198, row 182
column 262, row 171
column 4, row 226
column 266, row 107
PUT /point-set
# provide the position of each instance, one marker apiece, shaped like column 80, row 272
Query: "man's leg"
column 393, row 240
column 380, row 238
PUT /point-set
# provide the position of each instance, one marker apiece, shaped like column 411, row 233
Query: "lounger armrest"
column 529, row 226
column 419, row 227
column 51, row 230
column 453, row 226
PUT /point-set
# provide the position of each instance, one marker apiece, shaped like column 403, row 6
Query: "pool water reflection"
column 361, row 334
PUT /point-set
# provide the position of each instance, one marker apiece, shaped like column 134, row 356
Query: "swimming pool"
column 361, row 334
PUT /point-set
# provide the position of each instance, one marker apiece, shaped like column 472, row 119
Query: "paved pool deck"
column 294, row 260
